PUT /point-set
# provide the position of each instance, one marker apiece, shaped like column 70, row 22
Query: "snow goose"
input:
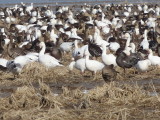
column 74, row 34
column 143, row 65
column 29, row 8
column 78, row 52
column 46, row 59
column 157, row 10
column 145, row 44
column 127, row 48
column 3, row 64
column 34, row 13
column 90, row 22
column 32, row 20
column 155, row 60
column 98, row 38
column 93, row 65
column 15, row 66
column 53, row 36
column 108, row 59
column 32, row 56
column 71, row 20
column 66, row 46
column 82, row 51
column 115, row 21
column 113, row 45
column 79, row 64
column 49, row 13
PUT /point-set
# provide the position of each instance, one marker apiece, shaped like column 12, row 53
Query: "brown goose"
column 53, row 50
column 109, row 73
column 124, row 61
column 94, row 50
column 12, row 49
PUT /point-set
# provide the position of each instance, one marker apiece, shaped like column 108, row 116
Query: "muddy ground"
column 60, row 94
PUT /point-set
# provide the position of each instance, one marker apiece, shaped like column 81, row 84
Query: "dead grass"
column 35, row 99
column 110, row 101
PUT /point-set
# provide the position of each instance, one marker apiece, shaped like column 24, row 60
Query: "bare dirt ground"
column 59, row 94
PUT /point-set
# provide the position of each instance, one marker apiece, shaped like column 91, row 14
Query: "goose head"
column 126, row 35
column 41, row 44
column 150, row 52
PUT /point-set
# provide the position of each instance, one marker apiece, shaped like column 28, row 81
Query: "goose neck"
column 52, row 31
column 43, row 49
column 76, row 44
column 133, row 49
column 128, row 42
column 150, row 53
column 104, row 50
column 87, row 58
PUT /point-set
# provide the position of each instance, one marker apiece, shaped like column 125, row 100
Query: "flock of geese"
column 99, row 37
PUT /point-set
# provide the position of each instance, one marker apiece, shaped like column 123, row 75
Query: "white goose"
column 155, row 60
column 15, row 66
column 33, row 56
column 79, row 64
column 32, row 20
column 93, row 65
column 145, row 43
column 34, row 13
column 46, row 59
column 127, row 48
column 143, row 65
column 79, row 52
column 66, row 46
column 108, row 59
column 29, row 8
column 113, row 46
column 98, row 38
column 76, row 50
column 74, row 34
column 3, row 62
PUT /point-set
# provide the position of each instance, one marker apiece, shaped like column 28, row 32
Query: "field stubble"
column 57, row 94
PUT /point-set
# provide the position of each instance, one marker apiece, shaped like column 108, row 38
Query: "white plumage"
column 108, row 59
column 15, row 66
column 46, row 59
column 79, row 64
column 66, row 46
column 114, row 46
column 143, row 65
column 3, row 62
column 93, row 65
column 155, row 60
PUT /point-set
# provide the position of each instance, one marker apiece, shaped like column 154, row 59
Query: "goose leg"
column 82, row 73
column 14, row 76
column 92, row 73
column 95, row 77
column 124, row 72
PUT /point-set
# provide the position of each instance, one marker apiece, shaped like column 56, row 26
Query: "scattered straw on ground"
column 58, row 94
